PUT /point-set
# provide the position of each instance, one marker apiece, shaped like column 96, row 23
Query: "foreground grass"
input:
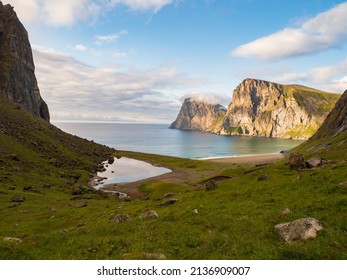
column 235, row 221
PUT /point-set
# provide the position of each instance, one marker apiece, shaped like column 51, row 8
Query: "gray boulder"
column 296, row 161
column 314, row 162
column 150, row 214
column 301, row 229
column 122, row 218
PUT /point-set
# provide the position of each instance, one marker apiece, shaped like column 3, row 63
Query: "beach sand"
column 250, row 159
column 179, row 176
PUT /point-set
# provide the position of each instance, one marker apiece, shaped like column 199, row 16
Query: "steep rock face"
column 262, row 108
column 17, row 71
column 198, row 115
column 336, row 122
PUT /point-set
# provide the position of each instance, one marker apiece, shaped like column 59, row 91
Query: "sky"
column 136, row 60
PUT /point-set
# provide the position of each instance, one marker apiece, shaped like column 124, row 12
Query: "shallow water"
column 125, row 170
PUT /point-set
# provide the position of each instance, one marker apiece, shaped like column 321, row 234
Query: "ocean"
column 159, row 139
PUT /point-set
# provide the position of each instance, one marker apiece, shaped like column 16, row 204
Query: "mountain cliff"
column 262, row 108
column 17, row 71
column 198, row 115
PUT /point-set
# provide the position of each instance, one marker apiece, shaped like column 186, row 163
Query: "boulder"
column 314, row 162
column 296, row 161
column 81, row 205
column 150, row 214
column 210, row 185
column 12, row 239
column 18, row 198
column 169, row 194
column 286, row 211
column 263, row 177
column 301, row 229
column 168, row 202
column 121, row 218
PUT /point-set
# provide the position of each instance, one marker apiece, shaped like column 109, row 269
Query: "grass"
column 234, row 221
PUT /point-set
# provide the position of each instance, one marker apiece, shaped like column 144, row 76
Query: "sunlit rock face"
column 198, row 115
column 17, row 71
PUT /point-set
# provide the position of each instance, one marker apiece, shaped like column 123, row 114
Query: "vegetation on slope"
column 233, row 221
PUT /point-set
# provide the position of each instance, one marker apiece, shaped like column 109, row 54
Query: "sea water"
column 159, row 139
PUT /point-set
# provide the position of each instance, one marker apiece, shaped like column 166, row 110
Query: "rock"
column 286, row 211
column 168, row 202
column 301, row 229
column 296, row 161
column 46, row 186
column 198, row 114
column 12, row 188
column 110, row 160
column 314, row 162
column 196, row 212
column 121, row 218
column 77, row 191
column 263, row 177
column 27, row 188
column 169, row 194
column 150, row 214
column 18, row 81
column 18, row 198
column 155, row 256
column 12, row 239
column 210, row 185
column 81, row 205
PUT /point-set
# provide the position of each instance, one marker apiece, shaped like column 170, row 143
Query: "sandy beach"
column 250, row 159
column 180, row 176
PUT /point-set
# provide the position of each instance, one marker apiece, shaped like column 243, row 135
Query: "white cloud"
column 100, row 39
column 208, row 97
column 68, row 12
column 330, row 78
column 324, row 31
column 143, row 5
column 75, row 90
column 81, row 48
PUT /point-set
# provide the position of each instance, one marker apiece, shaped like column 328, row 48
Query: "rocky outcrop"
column 301, row 229
column 336, row 122
column 198, row 115
column 262, row 108
column 17, row 71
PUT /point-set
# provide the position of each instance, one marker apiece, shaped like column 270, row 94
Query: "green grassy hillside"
column 234, row 221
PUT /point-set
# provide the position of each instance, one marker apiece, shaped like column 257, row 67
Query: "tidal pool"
column 126, row 170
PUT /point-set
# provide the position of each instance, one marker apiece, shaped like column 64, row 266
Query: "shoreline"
column 248, row 159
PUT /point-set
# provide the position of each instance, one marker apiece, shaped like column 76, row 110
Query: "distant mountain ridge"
column 17, row 71
column 263, row 108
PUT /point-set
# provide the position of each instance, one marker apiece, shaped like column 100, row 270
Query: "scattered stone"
column 12, row 205
column 150, row 214
column 46, row 186
column 81, row 205
column 12, row 239
column 196, row 212
column 314, row 162
column 155, row 256
column 296, row 161
column 110, row 160
column 18, row 198
column 122, row 218
column 343, row 184
column 24, row 212
column 286, row 211
column 77, row 191
column 52, row 217
column 169, row 194
column 2, row 192
column 263, row 177
column 301, row 229
column 168, row 202
column 210, row 185
column 27, row 188
column 53, row 209
column 12, row 188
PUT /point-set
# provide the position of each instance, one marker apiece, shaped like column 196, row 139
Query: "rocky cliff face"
column 262, row 108
column 336, row 122
column 198, row 115
column 17, row 71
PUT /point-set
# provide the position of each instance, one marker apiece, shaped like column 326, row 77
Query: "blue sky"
column 136, row 60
